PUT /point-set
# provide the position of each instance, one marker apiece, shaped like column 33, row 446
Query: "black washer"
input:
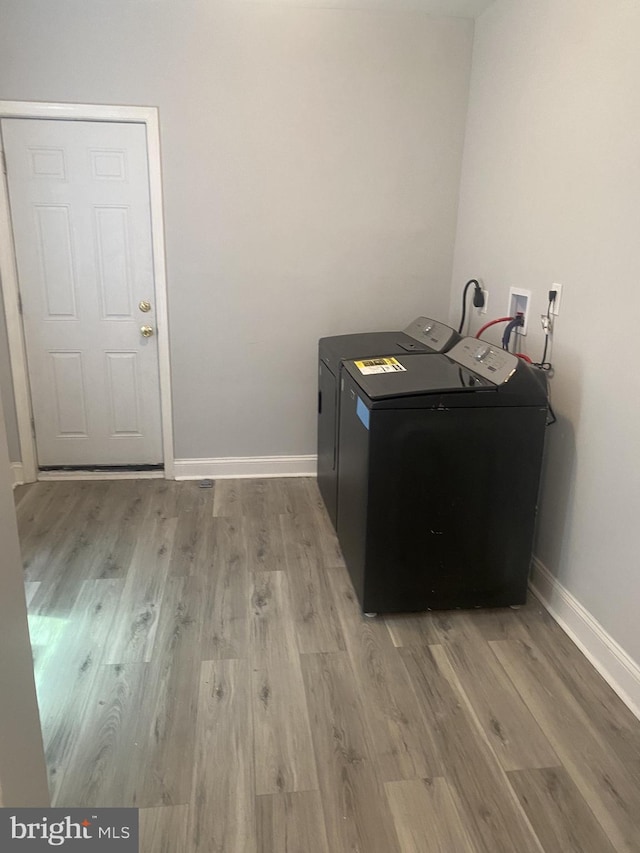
column 439, row 469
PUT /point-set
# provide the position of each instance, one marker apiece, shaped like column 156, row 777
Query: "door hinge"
column 19, row 303
column 33, row 426
column 4, row 162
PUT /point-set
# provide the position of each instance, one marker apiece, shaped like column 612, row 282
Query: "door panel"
column 79, row 197
column 53, row 232
column 114, row 281
column 68, row 392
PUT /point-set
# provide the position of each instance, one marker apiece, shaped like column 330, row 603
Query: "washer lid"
column 389, row 376
column 501, row 380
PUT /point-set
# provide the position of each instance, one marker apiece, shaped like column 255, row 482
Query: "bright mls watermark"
column 80, row 830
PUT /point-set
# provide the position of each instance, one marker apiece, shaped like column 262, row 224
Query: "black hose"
column 506, row 337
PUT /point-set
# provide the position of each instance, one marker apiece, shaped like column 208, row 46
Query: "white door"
column 79, row 198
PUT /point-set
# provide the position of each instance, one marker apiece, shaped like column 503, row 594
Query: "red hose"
column 493, row 323
column 524, row 357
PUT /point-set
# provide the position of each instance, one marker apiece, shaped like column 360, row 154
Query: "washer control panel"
column 490, row 362
column 430, row 332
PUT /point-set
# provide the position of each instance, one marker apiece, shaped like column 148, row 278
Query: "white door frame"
column 8, row 270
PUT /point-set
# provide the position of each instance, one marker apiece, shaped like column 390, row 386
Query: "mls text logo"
column 104, row 830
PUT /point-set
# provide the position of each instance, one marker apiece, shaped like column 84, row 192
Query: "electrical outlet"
column 555, row 306
column 519, row 304
column 483, row 310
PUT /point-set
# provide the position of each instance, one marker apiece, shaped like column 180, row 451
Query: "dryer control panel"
column 491, row 362
column 434, row 334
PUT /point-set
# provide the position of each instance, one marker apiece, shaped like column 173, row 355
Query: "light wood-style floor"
column 199, row 654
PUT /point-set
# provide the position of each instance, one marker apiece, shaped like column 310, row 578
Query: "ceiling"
column 457, row 8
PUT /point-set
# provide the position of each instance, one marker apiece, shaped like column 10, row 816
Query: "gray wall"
column 551, row 193
column 311, row 165
column 23, row 778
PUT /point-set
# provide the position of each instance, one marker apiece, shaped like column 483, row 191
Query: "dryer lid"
column 339, row 348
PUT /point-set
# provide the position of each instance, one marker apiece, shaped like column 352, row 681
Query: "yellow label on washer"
column 385, row 364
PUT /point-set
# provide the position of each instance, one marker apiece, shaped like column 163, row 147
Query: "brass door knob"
column 146, row 331
column 144, row 306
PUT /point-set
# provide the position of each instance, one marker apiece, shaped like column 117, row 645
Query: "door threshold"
column 143, row 466
column 147, row 472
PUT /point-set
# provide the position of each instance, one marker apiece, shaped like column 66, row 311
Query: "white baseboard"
column 17, row 474
column 619, row 670
column 231, row 467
